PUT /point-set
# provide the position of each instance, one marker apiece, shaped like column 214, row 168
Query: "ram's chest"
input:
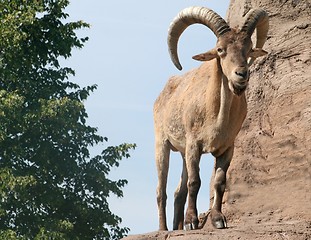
column 216, row 139
column 200, row 125
column 216, row 136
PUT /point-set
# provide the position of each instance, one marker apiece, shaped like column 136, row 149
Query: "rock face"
column 270, row 175
column 269, row 181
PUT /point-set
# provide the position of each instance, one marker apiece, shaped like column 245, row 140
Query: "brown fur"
column 202, row 112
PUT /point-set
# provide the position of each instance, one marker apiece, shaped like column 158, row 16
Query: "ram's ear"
column 207, row 56
column 257, row 52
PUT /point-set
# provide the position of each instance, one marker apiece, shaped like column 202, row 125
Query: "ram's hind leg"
column 221, row 167
column 162, row 152
column 180, row 198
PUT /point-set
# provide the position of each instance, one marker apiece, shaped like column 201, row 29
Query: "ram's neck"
column 224, row 100
column 226, row 97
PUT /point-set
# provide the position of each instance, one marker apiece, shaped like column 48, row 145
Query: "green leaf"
column 51, row 187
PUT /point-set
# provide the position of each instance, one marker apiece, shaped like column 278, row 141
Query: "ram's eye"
column 219, row 50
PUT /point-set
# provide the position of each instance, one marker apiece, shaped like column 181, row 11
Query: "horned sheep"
column 203, row 113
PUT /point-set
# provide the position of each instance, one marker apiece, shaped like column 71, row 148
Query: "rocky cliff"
column 269, row 182
column 271, row 172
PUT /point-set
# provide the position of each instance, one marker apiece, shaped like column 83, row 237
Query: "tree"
column 50, row 185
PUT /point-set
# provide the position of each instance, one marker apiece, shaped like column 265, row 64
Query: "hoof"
column 191, row 222
column 220, row 224
column 188, row 227
column 218, row 220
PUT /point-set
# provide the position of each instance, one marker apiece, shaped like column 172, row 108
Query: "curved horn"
column 190, row 16
column 259, row 19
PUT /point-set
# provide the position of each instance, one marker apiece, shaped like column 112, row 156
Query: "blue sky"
column 127, row 58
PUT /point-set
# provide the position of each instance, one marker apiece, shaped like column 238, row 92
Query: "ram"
column 203, row 111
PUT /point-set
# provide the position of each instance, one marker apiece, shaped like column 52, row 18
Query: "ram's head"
column 234, row 47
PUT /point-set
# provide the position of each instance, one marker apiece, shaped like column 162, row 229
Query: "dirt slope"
column 269, row 182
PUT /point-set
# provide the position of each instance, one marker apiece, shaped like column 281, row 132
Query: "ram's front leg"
column 194, row 182
column 221, row 167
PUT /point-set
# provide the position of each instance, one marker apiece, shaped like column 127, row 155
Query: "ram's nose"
column 243, row 73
